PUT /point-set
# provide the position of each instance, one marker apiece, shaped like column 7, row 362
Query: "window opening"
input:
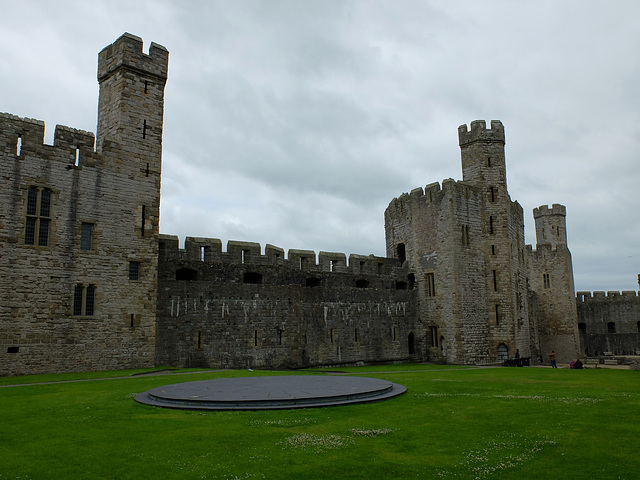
column 492, row 194
column 142, row 225
column 312, row 282
column 546, row 280
column 83, row 300
column 380, row 266
column 19, row 146
column 434, row 336
column 252, row 277
column 361, row 266
column 13, row 349
column 355, row 334
column 86, row 236
column 497, row 314
column 395, row 334
column 401, row 285
column 582, row 328
column 465, row 235
column 412, row 280
column 431, row 285
column 199, row 340
column 76, row 162
column 495, row 280
column 245, row 256
column 411, row 344
column 144, row 129
column 280, row 336
column 147, row 171
column 491, row 225
column 493, row 249
column 186, row 274
column 146, row 86
column 255, row 338
column 303, row 262
column 611, row 327
column 331, row 335
column 362, row 283
column 38, row 216
column 134, row 270
column 488, row 161
column 402, row 254
column 131, row 324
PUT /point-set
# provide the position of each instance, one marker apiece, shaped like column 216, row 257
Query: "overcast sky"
column 295, row 123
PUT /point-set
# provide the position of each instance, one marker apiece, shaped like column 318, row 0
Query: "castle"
column 89, row 283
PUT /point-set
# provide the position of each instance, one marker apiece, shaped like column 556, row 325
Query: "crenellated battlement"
column 544, row 210
column 205, row 250
column 611, row 296
column 480, row 133
column 126, row 52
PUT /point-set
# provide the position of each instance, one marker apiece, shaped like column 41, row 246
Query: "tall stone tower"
column 501, row 244
column 551, row 279
column 79, row 242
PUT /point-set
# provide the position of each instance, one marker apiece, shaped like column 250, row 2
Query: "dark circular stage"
column 271, row 392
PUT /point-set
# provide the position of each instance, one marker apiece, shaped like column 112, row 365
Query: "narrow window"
column 77, row 299
column 355, row 334
column 465, row 235
column 582, row 328
column 495, row 280
column 434, row 336
column 255, row 338
column 333, row 264
column 400, row 250
column 76, row 162
column 142, row 225
column 493, row 249
column 412, row 281
column 497, row 314
column 303, row 262
column 546, row 280
column 132, row 317
column 86, row 236
column 638, row 327
column 144, row 129
column 146, row 86
column 430, row 285
column 331, row 335
column 19, row 146
column 492, row 194
column 89, row 300
column 611, row 327
column 38, row 216
column 411, row 343
column 491, row 225
column 361, row 267
column 380, row 265
column 199, row 340
column 134, row 270
column 245, row 256
column 488, row 161
column 280, row 336
column 395, row 334
column 147, row 171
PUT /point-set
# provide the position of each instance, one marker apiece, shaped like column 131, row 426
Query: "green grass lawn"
column 465, row 423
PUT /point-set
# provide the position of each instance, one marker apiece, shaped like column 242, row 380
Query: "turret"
column 131, row 103
column 482, row 151
column 551, row 227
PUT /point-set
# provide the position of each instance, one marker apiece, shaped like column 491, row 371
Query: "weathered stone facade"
column 77, row 224
column 609, row 324
column 88, row 283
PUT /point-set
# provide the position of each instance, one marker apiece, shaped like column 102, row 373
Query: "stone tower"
column 79, row 236
column 551, row 279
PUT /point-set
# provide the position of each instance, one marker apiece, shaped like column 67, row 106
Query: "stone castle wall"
column 242, row 309
column 609, row 323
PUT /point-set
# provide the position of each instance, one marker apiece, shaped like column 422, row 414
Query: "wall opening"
column 401, row 285
column 546, row 280
column 19, row 145
column 582, row 328
column 252, row 277
column 401, row 252
column 312, row 282
column 495, row 280
column 611, row 327
column 412, row 281
column 434, row 336
column 13, row 349
column 362, row 283
column 186, row 274
column 411, row 344
column 430, row 285
column 503, row 352
column 76, row 162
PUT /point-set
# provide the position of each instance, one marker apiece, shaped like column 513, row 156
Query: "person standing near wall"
column 552, row 359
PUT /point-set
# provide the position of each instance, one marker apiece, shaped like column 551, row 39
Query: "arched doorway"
column 503, row 352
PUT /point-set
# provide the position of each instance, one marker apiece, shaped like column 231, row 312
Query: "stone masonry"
column 87, row 282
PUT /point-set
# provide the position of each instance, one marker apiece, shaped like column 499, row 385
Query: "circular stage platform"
column 271, row 392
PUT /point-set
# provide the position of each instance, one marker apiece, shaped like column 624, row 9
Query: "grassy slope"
column 525, row 423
